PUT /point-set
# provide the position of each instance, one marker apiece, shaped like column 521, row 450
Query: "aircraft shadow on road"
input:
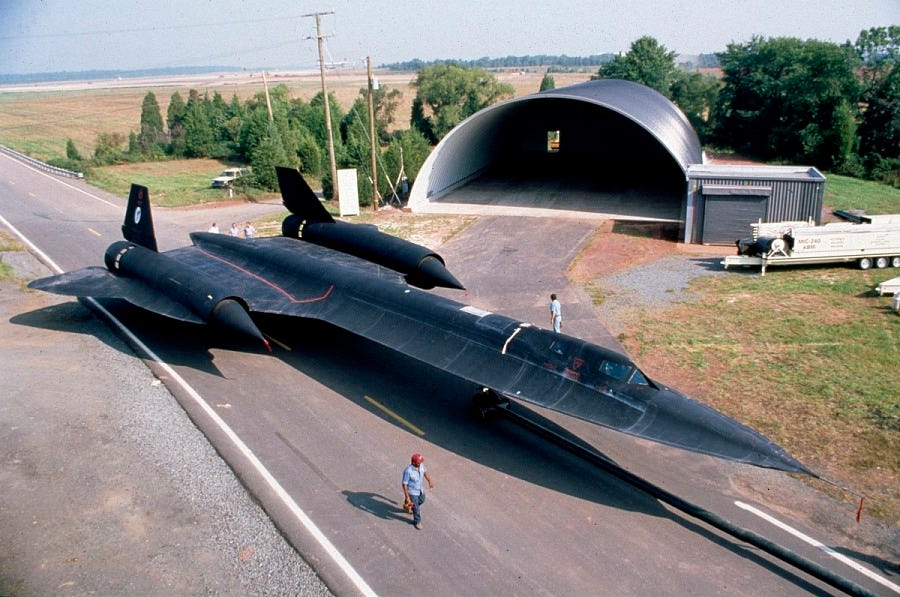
column 439, row 404
column 186, row 344
column 72, row 317
column 886, row 567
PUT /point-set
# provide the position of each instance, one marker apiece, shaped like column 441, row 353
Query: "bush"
column 852, row 166
column 109, row 149
column 67, row 164
column 887, row 171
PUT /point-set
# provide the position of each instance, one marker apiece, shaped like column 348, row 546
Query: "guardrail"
column 40, row 164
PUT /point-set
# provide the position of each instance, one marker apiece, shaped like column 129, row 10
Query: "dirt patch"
column 620, row 245
column 735, row 159
column 617, row 246
column 428, row 231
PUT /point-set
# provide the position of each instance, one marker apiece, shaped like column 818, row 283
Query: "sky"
column 76, row 35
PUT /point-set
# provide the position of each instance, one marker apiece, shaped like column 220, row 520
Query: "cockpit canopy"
column 579, row 361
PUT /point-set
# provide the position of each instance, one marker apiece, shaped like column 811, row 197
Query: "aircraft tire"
column 484, row 405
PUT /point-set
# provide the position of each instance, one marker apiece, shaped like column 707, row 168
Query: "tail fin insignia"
column 138, row 225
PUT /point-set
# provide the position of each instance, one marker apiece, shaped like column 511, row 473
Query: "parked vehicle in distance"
column 228, row 176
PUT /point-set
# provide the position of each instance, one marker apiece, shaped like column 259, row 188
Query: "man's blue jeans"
column 417, row 501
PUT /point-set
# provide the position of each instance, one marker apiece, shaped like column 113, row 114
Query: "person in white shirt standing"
column 555, row 313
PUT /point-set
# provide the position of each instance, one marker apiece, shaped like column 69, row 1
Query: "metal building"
column 613, row 147
column 595, row 136
column 723, row 200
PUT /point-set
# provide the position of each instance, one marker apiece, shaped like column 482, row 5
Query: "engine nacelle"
column 421, row 266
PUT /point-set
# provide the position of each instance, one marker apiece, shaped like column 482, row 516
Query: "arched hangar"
column 608, row 146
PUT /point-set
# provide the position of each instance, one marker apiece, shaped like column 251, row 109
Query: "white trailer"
column 874, row 243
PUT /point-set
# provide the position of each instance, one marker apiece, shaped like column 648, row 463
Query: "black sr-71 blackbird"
column 374, row 285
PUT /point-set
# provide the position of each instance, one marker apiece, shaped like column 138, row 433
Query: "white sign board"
column 348, row 193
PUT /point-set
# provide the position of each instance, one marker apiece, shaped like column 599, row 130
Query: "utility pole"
column 319, row 38
column 372, row 138
column 268, row 101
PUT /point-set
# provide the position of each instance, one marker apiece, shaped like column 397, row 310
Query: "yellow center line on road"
column 394, row 416
column 94, row 232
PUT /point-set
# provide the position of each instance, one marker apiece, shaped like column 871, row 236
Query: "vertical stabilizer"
column 299, row 199
column 138, row 225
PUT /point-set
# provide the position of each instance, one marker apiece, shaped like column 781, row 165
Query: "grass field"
column 808, row 356
column 38, row 123
column 171, row 183
column 843, row 192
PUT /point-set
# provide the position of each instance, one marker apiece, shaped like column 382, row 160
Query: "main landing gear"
column 486, row 404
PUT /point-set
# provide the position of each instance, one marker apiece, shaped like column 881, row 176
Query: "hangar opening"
column 607, row 148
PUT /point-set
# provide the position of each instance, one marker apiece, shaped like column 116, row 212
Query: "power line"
column 235, row 52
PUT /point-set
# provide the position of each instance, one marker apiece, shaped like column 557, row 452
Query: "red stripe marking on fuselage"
column 289, row 296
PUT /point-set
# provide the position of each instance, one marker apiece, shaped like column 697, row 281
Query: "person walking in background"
column 214, row 228
column 555, row 313
column 249, row 230
column 413, row 492
column 234, row 230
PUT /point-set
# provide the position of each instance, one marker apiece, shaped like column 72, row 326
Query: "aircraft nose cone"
column 682, row 421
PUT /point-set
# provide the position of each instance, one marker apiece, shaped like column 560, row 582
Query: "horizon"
column 224, row 68
column 49, row 36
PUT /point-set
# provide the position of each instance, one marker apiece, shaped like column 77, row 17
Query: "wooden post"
column 373, row 139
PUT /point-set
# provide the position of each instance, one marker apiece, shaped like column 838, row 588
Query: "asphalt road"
column 333, row 419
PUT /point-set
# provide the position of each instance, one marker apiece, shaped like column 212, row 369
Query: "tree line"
column 530, row 61
column 265, row 132
column 836, row 107
column 551, row 62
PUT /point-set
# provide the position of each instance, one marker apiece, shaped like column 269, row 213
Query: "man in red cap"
column 413, row 492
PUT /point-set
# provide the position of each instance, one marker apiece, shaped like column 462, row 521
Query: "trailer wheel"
column 895, row 262
column 865, row 263
column 881, row 262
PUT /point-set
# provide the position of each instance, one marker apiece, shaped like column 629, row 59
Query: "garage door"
column 729, row 211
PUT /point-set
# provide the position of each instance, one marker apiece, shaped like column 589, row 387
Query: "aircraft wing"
column 98, row 282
